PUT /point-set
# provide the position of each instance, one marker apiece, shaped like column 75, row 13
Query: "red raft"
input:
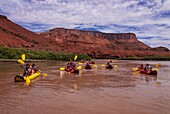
column 88, row 67
column 72, row 71
column 149, row 73
column 109, row 67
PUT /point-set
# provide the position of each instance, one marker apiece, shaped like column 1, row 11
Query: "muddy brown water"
column 96, row 91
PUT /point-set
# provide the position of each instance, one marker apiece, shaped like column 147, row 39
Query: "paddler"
column 27, row 70
column 34, row 68
column 109, row 65
column 147, row 67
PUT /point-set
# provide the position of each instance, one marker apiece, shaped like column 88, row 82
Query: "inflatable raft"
column 109, row 67
column 149, row 73
column 88, row 67
column 72, row 71
column 23, row 78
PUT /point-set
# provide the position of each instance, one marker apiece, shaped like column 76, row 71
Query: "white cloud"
column 143, row 14
column 155, row 42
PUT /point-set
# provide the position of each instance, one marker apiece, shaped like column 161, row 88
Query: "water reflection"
column 145, row 77
column 75, row 86
column 62, row 73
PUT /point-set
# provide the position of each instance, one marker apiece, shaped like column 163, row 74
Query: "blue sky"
column 148, row 19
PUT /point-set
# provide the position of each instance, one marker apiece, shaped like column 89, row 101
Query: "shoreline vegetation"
column 11, row 54
column 15, row 53
column 154, row 58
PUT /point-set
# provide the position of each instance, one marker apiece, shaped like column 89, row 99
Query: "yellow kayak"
column 23, row 78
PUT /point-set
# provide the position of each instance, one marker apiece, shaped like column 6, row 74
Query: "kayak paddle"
column 157, row 65
column 27, row 80
column 23, row 57
column 79, row 67
column 45, row 74
column 20, row 61
column 62, row 68
column 155, row 69
column 103, row 65
column 75, row 58
column 134, row 69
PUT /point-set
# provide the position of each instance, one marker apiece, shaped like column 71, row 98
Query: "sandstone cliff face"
column 95, row 44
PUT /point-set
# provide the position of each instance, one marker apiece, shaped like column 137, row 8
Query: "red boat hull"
column 149, row 73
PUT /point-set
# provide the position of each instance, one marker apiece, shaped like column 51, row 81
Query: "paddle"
column 155, row 69
column 79, row 67
column 43, row 73
column 62, row 68
column 75, row 58
column 20, row 61
column 27, row 80
column 135, row 69
column 157, row 65
column 23, row 57
column 103, row 65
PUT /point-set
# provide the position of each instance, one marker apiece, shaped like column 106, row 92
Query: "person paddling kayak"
column 109, row 65
column 141, row 67
column 27, row 70
column 71, row 67
column 34, row 68
column 88, row 66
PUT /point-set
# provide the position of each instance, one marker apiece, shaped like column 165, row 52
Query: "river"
column 96, row 91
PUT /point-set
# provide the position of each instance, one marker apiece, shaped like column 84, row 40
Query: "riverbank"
column 160, row 58
column 15, row 53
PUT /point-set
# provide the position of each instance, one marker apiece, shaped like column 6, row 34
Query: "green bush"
column 15, row 53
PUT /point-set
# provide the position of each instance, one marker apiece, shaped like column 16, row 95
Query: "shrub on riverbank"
column 15, row 53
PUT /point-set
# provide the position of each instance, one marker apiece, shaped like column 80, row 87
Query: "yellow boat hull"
column 23, row 78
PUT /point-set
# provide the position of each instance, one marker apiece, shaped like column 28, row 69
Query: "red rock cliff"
column 96, row 44
column 13, row 35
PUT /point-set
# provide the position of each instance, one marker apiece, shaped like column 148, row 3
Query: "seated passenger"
column 27, row 70
column 34, row 69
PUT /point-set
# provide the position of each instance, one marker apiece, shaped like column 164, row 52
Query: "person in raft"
column 88, row 66
column 91, row 62
column 109, row 65
column 34, row 68
column 148, row 68
column 141, row 67
column 72, row 64
column 70, row 67
column 27, row 70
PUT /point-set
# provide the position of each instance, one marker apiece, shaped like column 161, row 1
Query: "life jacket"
column 27, row 72
column 35, row 69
